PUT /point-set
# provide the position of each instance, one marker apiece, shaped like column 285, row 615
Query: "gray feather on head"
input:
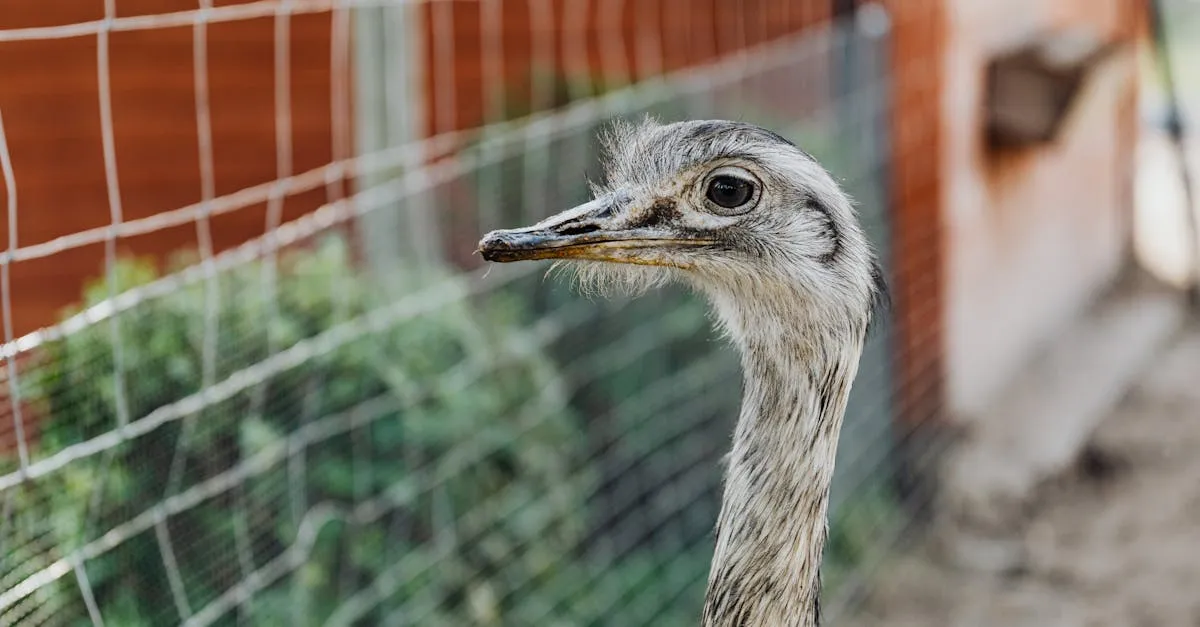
column 798, row 229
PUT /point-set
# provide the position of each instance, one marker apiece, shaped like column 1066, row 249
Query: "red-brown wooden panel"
column 622, row 39
column 49, row 99
column 916, row 61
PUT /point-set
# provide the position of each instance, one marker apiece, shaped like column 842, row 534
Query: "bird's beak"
column 600, row 230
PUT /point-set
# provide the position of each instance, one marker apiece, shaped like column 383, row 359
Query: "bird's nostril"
column 578, row 229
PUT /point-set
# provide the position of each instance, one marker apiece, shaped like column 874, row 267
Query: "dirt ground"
column 1116, row 544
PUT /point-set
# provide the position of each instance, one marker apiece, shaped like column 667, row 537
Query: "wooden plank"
column 918, row 36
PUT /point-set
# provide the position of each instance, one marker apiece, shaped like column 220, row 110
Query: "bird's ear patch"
column 881, row 296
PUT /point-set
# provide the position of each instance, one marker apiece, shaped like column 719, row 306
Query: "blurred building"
column 1031, row 236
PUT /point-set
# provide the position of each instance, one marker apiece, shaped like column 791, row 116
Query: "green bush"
column 450, row 424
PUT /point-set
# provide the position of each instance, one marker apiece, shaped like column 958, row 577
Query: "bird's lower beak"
column 623, row 247
column 588, row 233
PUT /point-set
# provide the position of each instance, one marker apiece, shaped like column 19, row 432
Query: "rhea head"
column 732, row 209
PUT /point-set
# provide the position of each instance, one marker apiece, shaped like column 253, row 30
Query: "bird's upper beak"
column 605, row 229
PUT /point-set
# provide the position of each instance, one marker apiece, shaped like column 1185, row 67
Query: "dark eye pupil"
column 729, row 192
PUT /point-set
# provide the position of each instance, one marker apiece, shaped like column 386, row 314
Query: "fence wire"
column 291, row 394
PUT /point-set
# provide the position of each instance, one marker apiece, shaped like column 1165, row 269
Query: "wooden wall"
column 49, row 100
column 624, row 41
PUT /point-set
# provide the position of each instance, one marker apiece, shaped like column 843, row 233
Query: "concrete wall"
column 1030, row 238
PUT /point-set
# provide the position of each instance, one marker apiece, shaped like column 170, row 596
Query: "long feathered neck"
column 772, row 527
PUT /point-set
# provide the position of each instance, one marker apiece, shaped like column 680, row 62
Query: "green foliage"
column 854, row 531
column 449, row 425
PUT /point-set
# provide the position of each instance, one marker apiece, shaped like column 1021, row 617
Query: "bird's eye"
column 730, row 192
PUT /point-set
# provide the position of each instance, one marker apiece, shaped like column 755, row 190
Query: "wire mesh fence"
column 324, row 409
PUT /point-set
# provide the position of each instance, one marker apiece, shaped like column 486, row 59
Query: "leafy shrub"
column 426, row 450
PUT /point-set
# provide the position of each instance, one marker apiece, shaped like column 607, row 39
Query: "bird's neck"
column 772, row 526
